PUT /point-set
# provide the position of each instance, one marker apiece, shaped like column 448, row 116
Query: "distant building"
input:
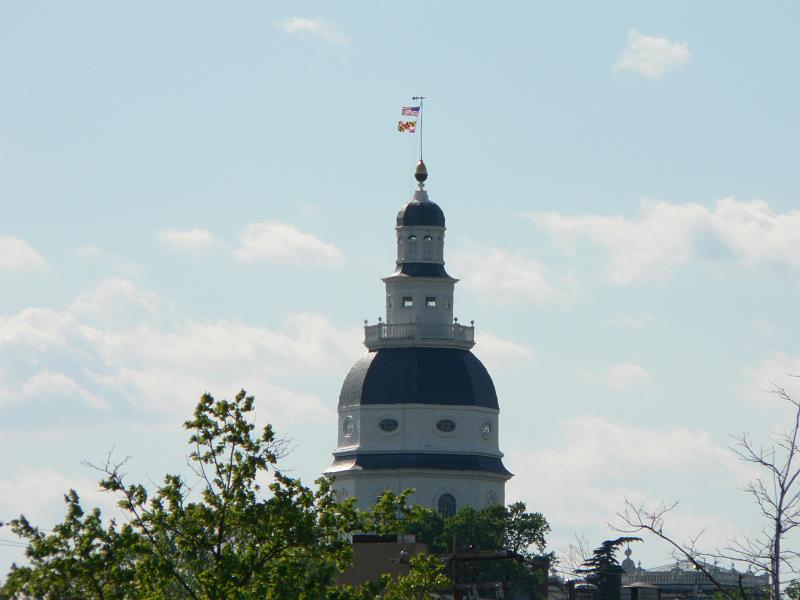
column 682, row 581
column 419, row 410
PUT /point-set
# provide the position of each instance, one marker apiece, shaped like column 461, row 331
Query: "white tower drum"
column 419, row 410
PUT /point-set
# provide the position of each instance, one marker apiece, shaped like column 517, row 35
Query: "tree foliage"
column 426, row 575
column 230, row 539
column 81, row 558
column 604, row 557
column 240, row 528
column 603, row 570
column 494, row 528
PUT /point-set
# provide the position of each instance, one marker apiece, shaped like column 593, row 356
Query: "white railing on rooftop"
column 399, row 334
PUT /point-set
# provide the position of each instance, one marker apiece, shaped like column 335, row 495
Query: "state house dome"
column 424, row 214
column 419, row 410
column 443, row 376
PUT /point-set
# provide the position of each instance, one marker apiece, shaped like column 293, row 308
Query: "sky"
column 198, row 196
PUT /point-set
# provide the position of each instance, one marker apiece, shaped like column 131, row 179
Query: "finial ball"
column 421, row 173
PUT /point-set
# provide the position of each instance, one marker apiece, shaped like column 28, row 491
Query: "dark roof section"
column 420, row 460
column 421, row 270
column 445, row 376
column 421, row 213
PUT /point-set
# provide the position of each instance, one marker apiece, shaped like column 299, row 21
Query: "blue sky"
column 201, row 196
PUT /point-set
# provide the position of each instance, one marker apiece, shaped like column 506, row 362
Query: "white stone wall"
column 469, row 489
column 476, row 432
column 418, row 290
column 416, row 430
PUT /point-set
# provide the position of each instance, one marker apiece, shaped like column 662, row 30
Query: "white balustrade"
column 419, row 334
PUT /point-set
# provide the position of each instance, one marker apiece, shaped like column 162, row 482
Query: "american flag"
column 410, row 111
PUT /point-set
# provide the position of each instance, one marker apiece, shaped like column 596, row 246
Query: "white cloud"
column 645, row 248
column 756, row 233
column 580, row 482
column 778, row 370
column 39, row 495
column 284, row 244
column 191, row 241
column 16, row 255
column 497, row 352
column 47, row 383
column 499, row 277
column 652, row 55
column 117, row 341
column 621, row 376
column 115, row 301
column 666, row 235
column 116, row 263
column 324, row 30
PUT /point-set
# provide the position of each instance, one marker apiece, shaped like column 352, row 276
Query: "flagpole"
column 421, row 100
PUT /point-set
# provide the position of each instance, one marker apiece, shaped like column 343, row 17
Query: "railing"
column 398, row 334
column 680, row 577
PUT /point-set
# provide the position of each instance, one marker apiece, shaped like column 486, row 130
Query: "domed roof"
column 425, row 213
column 420, row 376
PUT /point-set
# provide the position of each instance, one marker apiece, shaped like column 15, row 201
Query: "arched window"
column 411, row 246
column 446, row 505
column 427, row 247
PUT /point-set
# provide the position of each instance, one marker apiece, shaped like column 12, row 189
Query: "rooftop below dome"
column 437, row 335
column 441, row 376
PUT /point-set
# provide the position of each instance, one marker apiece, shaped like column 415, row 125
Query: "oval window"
column 388, row 425
column 486, row 430
column 445, row 425
column 348, row 427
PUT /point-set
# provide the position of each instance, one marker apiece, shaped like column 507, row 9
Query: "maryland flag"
column 406, row 126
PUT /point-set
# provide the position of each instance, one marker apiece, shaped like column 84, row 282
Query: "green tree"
column 603, row 570
column 81, row 558
column 230, row 540
column 793, row 590
column 426, row 576
column 494, row 528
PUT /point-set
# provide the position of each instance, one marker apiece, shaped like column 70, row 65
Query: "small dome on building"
column 443, row 376
column 628, row 565
column 425, row 213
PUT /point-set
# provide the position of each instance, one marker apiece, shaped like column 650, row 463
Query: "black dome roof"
column 421, row 213
column 421, row 376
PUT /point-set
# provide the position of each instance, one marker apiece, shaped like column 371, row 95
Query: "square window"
column 408, row 302
column 430, row 301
